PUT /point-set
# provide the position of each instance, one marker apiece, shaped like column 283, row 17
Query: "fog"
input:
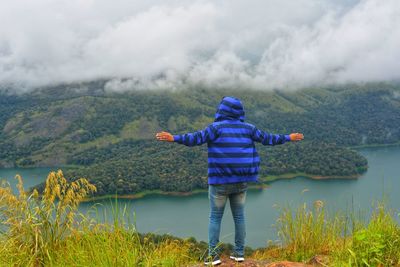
column 262, row 44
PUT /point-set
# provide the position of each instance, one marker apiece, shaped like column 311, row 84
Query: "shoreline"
column 146, row 193
column 272, row 178
column 263, row 184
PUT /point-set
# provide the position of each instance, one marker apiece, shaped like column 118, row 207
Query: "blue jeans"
column 218, row 195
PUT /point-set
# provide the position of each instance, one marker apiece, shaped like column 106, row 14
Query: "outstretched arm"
column 275, row 139
column 190, row 139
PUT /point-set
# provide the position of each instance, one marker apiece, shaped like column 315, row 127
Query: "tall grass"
column 307, row 232
column 378, row 243
column 344, row 239
column 48, row 230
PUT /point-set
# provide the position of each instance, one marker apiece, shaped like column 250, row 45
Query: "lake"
column 186, row 216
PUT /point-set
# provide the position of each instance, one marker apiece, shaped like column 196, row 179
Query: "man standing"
column 232, row 162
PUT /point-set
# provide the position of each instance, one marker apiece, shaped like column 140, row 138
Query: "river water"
column 186, row 216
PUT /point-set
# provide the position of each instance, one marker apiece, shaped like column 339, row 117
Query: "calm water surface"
column 188, row 216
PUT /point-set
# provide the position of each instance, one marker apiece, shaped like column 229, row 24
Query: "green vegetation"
column 47, row 230
column 109, row 137
column 109, row 171
column 337, row 239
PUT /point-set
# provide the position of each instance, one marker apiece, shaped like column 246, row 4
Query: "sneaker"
column 212, row 260
column 236, row 257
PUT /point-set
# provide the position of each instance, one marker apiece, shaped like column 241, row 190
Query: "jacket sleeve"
column 198, row 138
column 268, row 139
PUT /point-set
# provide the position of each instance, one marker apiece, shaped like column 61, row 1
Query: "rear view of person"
column 232, row 162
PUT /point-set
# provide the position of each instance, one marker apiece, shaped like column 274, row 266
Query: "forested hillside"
column 109, row 137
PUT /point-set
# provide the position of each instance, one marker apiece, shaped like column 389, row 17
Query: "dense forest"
column 134, row 166
column 109, row 136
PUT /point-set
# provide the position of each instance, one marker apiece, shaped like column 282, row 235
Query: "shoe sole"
column 237, row 259
column 217, row 262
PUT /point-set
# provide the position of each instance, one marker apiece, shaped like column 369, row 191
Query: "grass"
column 341, row 239
column 48, row 230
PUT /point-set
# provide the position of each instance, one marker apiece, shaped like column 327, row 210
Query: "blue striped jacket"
column 232, row 155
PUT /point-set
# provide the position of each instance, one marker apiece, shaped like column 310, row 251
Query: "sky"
column 258, row 44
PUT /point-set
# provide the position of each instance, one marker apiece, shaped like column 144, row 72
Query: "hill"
column 109, row 136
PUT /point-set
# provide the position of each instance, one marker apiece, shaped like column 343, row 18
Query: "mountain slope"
column 109, row 137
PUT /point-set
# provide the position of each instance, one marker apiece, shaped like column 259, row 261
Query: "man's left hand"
column 296, row 137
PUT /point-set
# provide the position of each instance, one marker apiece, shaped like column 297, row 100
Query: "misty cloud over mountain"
column 170, row 44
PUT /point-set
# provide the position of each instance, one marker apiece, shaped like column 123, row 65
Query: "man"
column 232, row 162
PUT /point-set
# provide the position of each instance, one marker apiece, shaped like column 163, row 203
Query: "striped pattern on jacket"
column 232, row 156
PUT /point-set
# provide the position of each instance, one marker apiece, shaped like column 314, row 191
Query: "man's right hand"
column 165, row 136
column 296, row 137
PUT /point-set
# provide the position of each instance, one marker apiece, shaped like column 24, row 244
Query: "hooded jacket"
column 232, row 155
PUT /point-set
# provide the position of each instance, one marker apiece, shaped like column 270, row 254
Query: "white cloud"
column 170, row 44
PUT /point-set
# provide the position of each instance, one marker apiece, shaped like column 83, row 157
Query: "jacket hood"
column 230, row 108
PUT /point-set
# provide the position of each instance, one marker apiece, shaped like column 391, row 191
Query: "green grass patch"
column 340, row 239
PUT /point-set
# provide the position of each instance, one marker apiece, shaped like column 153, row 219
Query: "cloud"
column 259, row 44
